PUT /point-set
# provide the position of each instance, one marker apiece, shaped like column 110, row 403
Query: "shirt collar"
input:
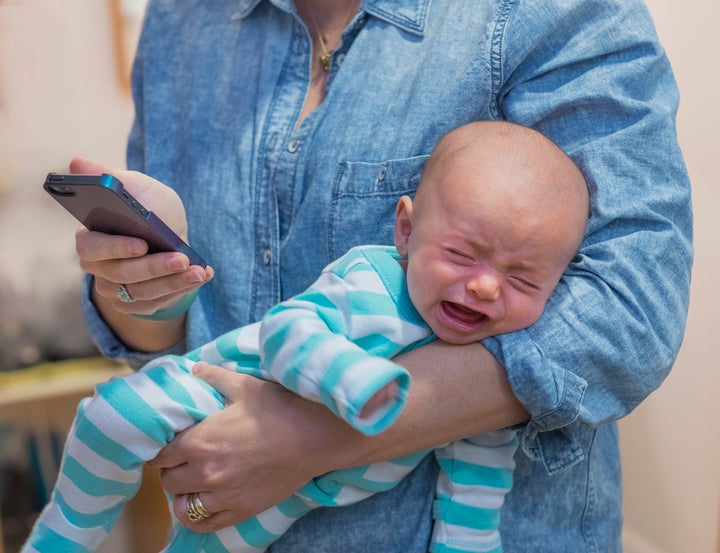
column 409, row 15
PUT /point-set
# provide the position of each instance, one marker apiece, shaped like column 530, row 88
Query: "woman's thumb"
column 82, row 165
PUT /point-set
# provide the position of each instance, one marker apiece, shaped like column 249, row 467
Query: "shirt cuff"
column 552, row 396
column 108, row 343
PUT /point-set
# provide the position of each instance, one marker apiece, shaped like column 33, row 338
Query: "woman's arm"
column 284, row 440
column 155, row 281
column 603, row 90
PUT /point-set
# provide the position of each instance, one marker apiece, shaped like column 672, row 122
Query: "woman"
column 289, row 131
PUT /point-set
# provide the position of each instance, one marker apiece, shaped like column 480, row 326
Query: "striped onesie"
column 330, row 344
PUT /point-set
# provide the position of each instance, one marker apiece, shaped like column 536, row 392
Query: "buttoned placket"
column 280, row 170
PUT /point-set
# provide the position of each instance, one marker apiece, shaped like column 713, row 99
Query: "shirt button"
column 381, row 173
column 267, row 256
column 293, row 145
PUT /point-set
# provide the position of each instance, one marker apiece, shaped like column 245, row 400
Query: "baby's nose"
column 485, row 286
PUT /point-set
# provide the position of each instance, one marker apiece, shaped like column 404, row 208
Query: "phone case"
column 101, row 203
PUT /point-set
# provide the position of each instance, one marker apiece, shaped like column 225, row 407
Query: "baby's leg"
column 334, row 489
column 115, row 432
column 348, row 486
column 476, row 475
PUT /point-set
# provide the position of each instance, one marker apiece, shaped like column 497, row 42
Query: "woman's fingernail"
column 195, row 276
column 178, row 263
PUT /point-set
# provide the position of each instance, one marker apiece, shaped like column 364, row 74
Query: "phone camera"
column 61, row 189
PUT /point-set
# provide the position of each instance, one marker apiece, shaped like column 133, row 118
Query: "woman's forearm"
column 284, row 440
column 456, row 392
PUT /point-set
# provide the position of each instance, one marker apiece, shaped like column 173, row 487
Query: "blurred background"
column 63, row 92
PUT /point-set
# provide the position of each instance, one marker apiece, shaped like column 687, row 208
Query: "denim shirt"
column 219, row 87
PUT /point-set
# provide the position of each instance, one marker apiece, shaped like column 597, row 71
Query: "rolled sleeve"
column 552, row 395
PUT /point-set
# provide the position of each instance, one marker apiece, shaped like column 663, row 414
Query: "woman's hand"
column 257, row 451
column 155, row 281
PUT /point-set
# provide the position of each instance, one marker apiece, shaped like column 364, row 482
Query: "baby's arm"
column 332, row 343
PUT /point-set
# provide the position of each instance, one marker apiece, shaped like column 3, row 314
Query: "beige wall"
column 671, row 443
column 59, row 93
column 59, row 96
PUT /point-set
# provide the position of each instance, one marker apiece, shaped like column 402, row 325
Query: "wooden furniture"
column 41, row 401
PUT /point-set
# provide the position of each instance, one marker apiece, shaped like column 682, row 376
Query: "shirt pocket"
column 364, row 197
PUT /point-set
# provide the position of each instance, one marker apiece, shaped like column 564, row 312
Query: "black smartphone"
column 101, row 203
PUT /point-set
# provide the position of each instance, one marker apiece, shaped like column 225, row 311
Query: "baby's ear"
column 403, row 224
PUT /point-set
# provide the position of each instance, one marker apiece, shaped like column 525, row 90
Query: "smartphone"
column 101, row 203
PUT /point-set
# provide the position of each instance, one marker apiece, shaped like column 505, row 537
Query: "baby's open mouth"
column 462, row 315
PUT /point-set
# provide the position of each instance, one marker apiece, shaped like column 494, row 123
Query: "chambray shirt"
column 218, row 88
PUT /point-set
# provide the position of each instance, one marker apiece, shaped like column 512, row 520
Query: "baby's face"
column 480, row 263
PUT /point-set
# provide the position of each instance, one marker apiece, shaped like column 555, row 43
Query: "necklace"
column 325, row 58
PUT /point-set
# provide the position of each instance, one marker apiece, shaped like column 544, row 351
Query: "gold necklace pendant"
column 325, row 58
column 326, row 61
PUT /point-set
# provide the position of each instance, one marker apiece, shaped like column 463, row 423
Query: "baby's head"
column 499, row 214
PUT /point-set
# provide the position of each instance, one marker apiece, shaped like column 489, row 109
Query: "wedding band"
column 195, row 509
column 123, row 295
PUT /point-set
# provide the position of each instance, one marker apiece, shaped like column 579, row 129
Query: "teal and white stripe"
column 476, row 475
column 330, row 345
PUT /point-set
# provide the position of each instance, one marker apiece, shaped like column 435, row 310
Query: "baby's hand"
column 385, row 395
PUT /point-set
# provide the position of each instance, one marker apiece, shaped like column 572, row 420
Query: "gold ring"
column 195, row 509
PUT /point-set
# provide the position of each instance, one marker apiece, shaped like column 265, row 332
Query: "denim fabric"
column 218, row 88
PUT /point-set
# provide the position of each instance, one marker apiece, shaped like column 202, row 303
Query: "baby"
column 498, row 215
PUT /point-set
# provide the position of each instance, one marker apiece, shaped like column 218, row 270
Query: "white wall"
column 59, row 97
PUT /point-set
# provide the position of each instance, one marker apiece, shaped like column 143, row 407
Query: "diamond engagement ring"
column 195, row 509
column 123, row 295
